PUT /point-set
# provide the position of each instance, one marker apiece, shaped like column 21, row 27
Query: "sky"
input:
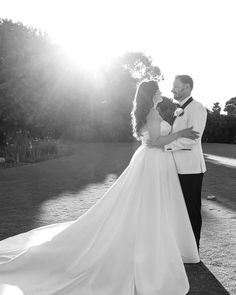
column 195, row 37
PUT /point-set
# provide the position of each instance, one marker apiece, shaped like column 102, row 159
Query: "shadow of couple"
column 202, row 281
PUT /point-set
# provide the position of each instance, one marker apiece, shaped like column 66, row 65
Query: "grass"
column 62, row 189
column 218, row 249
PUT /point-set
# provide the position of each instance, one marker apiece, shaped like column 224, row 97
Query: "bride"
column 133, row 241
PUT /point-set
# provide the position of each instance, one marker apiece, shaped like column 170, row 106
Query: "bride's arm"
column 158, row 141
column 154, row 126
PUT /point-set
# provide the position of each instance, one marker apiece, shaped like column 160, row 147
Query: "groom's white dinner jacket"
column 188, row 153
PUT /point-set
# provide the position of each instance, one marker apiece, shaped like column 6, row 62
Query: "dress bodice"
column 165, row 130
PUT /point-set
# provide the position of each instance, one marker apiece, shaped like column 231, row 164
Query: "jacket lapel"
column 183, row 107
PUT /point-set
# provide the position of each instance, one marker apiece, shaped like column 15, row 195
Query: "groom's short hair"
column 186, row 79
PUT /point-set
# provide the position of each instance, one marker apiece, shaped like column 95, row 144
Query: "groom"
column 188, row 153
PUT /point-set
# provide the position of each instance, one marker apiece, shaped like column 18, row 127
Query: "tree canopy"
column 230, row 107
column 42, row 93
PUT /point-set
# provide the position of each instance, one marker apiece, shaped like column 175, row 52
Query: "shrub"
column 40, row 149
column 220, row 129
column 20, row 148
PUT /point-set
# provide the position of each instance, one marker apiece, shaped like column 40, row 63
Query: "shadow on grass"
column 220, row 177
column 202, row 281
column 220, row 181
column 25, row 188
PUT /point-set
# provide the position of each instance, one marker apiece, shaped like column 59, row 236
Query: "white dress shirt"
column 188, row 153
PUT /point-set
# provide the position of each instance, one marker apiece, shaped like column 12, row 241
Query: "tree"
column 220, row 128
column 114, row 100
column 43, row 93
column 216, row 108
column 21, row 87
column 230, row 107
column 140, row 66
column 40, row 90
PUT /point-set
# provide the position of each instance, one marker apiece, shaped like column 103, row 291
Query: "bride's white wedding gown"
column 133, row 241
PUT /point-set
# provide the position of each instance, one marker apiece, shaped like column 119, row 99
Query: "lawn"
column 218, row 250
column 62, row 189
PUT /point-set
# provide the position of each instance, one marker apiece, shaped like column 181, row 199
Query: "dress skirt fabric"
column 133, row 241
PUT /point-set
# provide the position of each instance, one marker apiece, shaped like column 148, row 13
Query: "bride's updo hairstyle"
column 142, row 104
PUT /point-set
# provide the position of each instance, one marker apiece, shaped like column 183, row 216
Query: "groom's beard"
column 177, row 98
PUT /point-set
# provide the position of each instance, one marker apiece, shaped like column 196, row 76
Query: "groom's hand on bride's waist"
column 152, row 145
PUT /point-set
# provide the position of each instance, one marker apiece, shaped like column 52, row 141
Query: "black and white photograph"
column 117, row 147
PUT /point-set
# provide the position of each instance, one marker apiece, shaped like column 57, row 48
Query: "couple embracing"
column 137, row 237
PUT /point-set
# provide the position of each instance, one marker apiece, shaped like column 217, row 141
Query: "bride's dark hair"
column 142, row 104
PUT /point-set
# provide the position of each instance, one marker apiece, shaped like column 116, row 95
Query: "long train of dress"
column 133, row 241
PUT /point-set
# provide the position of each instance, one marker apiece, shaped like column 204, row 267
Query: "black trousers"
column 191, row 185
